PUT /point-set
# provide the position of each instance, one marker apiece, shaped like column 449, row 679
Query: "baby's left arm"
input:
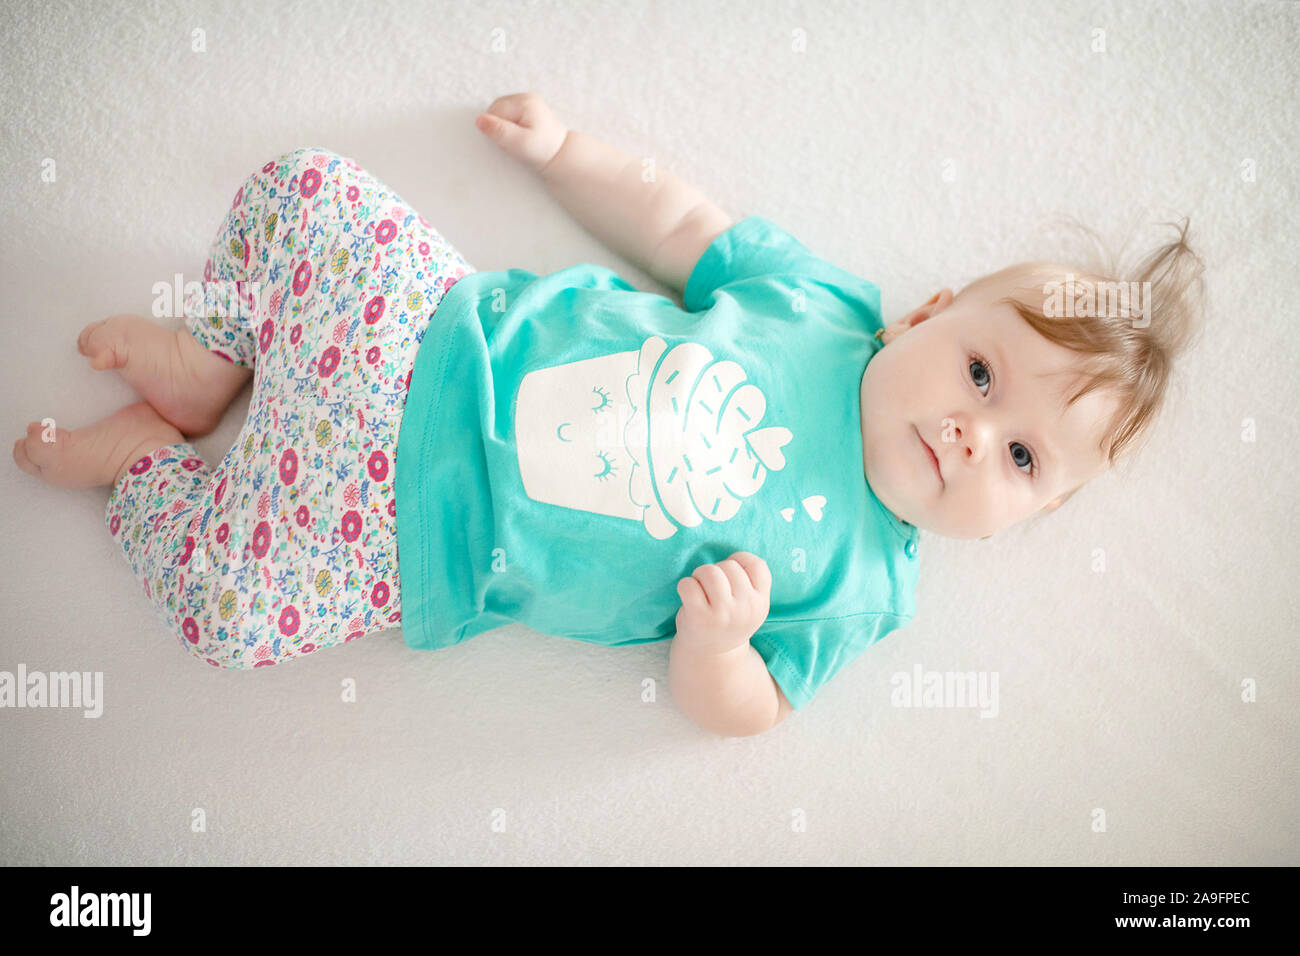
column 659, row 223
column 717, row 676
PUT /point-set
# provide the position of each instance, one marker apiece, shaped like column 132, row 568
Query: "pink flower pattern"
column 289, row 544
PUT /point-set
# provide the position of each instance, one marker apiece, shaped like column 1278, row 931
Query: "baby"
column 558, row 450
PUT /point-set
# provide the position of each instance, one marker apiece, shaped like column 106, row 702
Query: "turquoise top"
column 571, row 447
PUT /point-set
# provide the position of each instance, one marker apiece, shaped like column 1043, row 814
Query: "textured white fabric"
column 920, row 145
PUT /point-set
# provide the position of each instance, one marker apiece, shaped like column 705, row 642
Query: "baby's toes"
column 83, row 340
column 21, row 459
column 104, row 343
column 64, row 461
column 42, row 451
column 43, row 446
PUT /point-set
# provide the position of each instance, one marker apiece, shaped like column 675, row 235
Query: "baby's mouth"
column 934, row 459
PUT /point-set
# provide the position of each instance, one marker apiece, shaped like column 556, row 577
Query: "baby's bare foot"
column 189, row 386
column 97, row 454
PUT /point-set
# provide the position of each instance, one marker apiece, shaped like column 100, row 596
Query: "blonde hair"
column 1135, row 361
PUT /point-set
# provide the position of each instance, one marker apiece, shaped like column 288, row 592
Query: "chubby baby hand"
column 723, row 604
column 524, row 126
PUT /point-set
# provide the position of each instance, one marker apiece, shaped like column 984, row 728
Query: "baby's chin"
column 911, row 510
column 936, row 525
column 882, row 486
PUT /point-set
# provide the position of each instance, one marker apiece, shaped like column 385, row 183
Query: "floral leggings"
column 322, row 281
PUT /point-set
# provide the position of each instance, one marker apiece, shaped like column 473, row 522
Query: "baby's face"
column 986, row 393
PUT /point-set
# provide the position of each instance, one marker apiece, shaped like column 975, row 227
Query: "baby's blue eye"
column 604, row 397
column 1025, row 457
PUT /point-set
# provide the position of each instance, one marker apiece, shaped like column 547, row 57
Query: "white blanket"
column 1145, row 713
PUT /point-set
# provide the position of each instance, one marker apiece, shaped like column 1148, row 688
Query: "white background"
column 1118, row 691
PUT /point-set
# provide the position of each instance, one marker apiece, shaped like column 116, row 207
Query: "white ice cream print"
column 668, row 437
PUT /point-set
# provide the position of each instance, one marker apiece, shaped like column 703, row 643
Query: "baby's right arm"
column 717, row 677
column 660, row 223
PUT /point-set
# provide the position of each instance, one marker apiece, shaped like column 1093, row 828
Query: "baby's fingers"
column 509, row 107
column 714, row 582
column 738, row 584
column 691, row 594
column 760, row 575
column 516, row 141
column 496, row 127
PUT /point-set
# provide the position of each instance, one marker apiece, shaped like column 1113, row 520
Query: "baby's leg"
column 251, row 277
column 186, row 384
column 289, row 545
column 164, row 513
column 212, row 549
column 190, row 375
column 186, row 380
